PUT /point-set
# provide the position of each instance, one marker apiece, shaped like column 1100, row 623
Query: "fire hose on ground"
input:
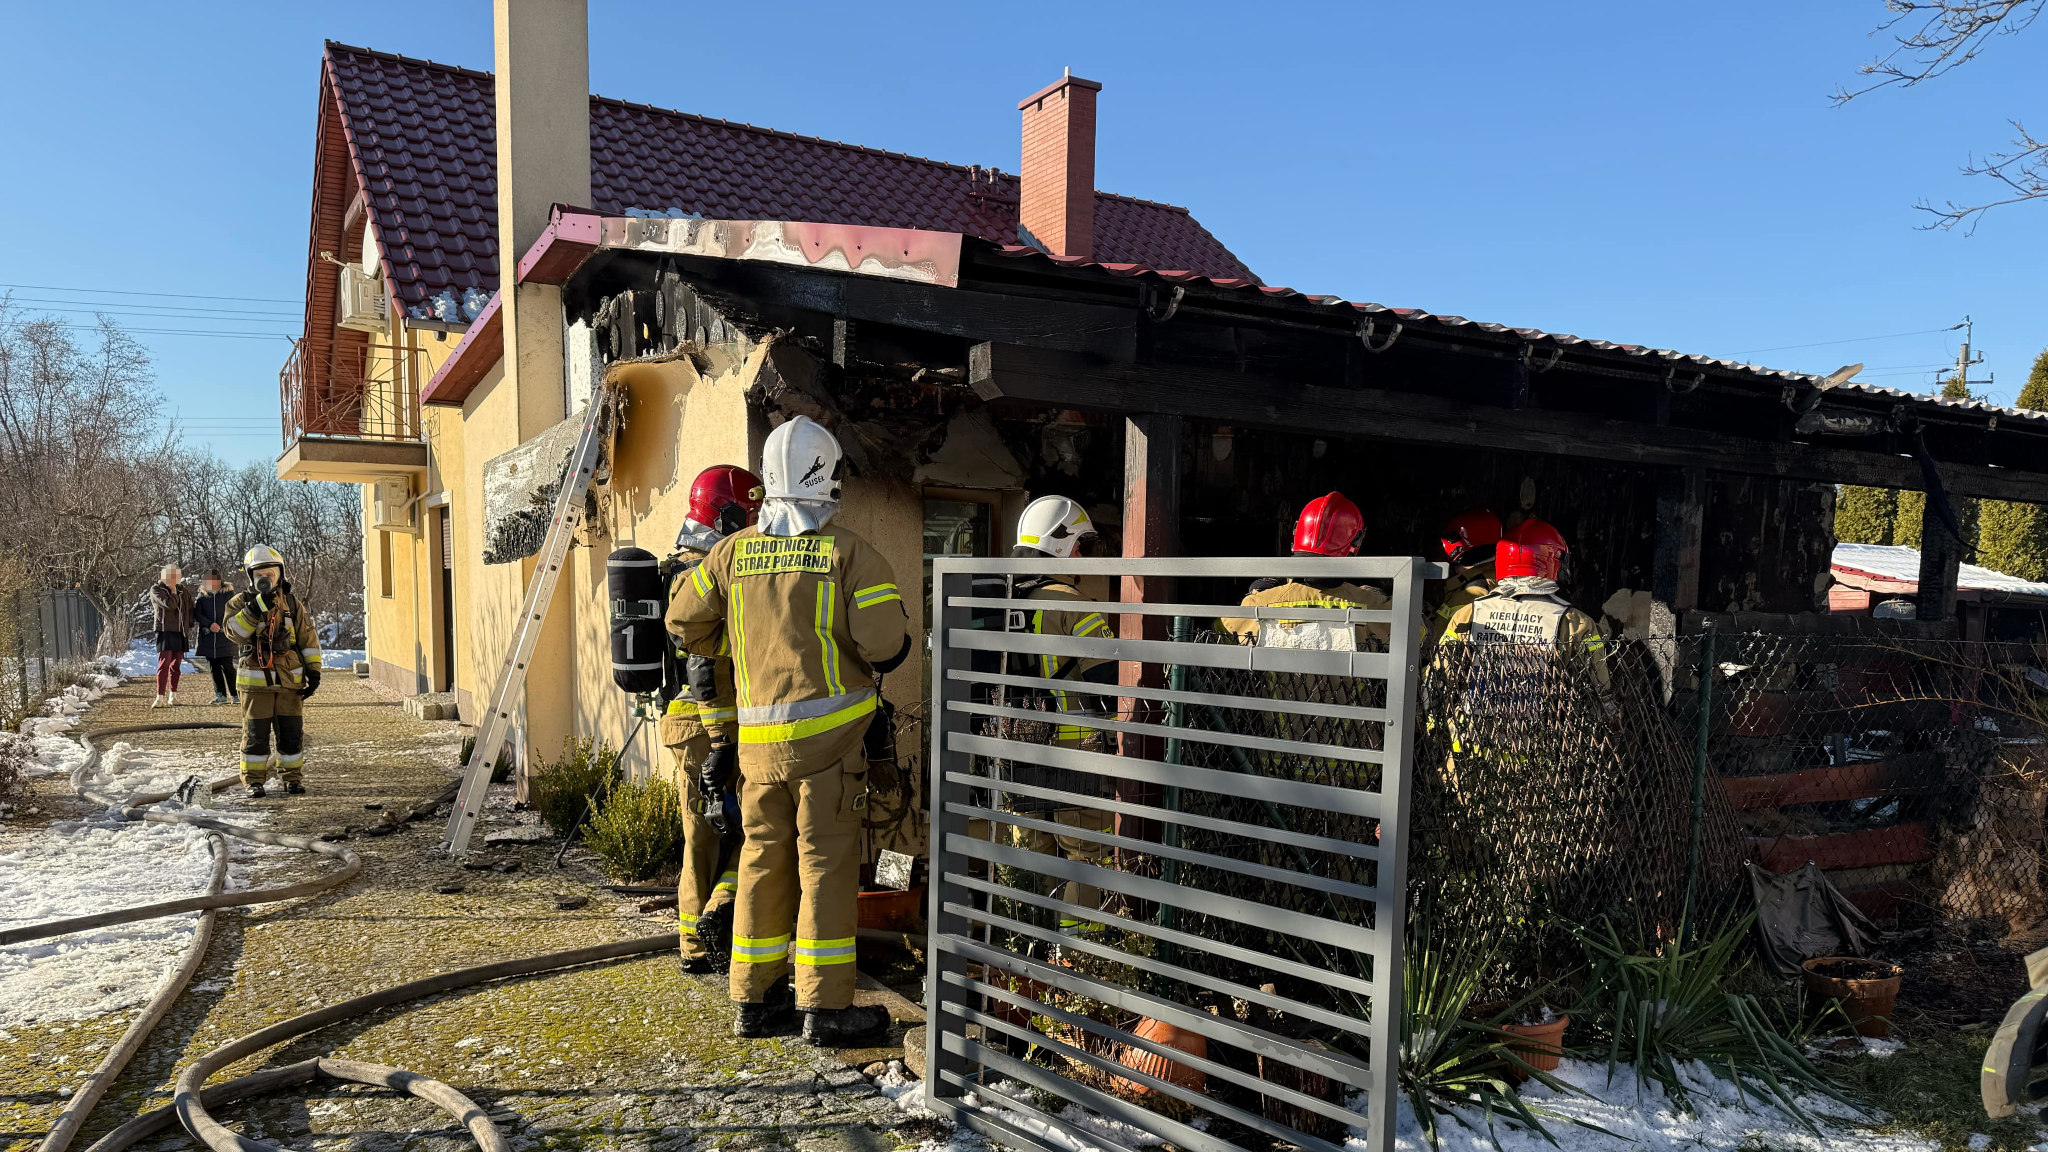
column 191, row 1100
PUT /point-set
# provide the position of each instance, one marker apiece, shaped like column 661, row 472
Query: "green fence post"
column 1704, row 727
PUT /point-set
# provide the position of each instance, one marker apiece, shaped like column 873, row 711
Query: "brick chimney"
column 1056, row 203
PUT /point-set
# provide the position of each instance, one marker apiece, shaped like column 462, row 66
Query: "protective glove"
column 312, row 682
column 713, row 779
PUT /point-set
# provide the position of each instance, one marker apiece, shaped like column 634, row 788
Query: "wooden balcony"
column 351, row 412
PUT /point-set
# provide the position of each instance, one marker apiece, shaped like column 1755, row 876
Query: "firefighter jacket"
column 1064, row 611
column 685, row 718
column 805, row 620
column 1277, row 593
column 1465, row 586
column 1528, row 610
column 274, row 648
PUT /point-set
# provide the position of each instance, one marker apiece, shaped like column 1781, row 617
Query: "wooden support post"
column 1151, row 528
column 1941, row 558
column 1681, row 514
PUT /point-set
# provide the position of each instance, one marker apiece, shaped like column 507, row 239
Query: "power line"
column 169, row 295
column 143, row 309
column 1851, row 340
column 182, row 332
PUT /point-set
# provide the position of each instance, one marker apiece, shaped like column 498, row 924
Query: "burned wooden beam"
column 1047, row 376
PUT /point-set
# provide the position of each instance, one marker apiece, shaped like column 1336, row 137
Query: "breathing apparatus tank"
column 638, row 638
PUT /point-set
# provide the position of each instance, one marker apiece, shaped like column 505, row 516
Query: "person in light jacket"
column 209, row 612
column 171, row 617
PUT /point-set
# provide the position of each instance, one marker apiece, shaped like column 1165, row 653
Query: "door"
column 447, row 605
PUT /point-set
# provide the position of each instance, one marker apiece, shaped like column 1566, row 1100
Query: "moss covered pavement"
column 629, row 1055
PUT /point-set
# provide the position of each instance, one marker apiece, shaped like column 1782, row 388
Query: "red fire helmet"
column 1330, row 526
column 725, row 497
column 1534, row 548
column 1469, row 537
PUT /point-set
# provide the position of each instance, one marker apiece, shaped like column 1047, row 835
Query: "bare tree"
column 1931, row 37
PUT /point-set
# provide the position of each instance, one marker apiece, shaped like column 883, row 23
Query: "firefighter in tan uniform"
column 1330, row 525
column 1469, row 541
column 703, row 719
column 277, row 667
column 810, row 616
column 1526, row 608
column 1054, row 527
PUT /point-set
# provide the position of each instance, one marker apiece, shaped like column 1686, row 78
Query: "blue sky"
column 1670, row 175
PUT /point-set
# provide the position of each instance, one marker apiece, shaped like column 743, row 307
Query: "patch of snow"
column 77, row 867
column 1979, row 1141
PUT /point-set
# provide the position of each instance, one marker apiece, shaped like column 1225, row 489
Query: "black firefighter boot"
column 256, row 791
column 845, row 1027
column 714, row 932
column 294, row 788
column 769, row 1017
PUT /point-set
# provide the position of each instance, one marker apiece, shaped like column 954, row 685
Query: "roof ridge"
column 331, row 45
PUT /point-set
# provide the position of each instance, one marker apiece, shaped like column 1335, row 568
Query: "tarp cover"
column 520, row 488
column 1801, row 914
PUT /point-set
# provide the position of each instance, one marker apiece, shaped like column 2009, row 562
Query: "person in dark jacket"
column 209, row 612
column 171, row 610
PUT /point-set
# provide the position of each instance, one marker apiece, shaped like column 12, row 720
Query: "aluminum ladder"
column 540, row 590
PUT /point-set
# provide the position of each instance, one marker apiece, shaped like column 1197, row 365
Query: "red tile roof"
column 421, row 137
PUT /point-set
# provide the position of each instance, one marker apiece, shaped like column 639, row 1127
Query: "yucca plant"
column 1449, row 1061
column 1659, row 1006
column 639, row 829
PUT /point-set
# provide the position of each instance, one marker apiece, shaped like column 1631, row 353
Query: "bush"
column 639, row 830
column 500, row 772
column 14, row 757
column 574, row 787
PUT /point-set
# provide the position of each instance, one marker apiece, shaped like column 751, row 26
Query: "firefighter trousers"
column 702, row 885
column 801, row 862
column 265, row 711
column 1076, row 848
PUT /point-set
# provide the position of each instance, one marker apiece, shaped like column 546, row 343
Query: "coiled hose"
column 191, row 1100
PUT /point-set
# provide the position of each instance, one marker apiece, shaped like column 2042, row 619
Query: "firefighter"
column 277, row 669
column 1526, row 608
column 699, row 718
column 1468, row 541
column 1330, row 525
column 1055, row 527
column 811, row 617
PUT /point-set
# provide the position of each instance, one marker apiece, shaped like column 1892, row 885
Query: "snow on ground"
column 51, row 751
column 1638, row 1114
column 77, row 867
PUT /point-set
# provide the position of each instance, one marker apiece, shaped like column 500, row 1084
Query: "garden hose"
column 190, row 1103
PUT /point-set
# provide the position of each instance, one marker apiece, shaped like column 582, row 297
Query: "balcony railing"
column 369, row 392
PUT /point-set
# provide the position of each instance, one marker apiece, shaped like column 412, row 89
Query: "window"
column 384, row 562
column 955, row 527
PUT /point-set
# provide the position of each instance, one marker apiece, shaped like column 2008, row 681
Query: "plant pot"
column 1153, row 1064
column 1540, row 1046
column 891, row 910
column 1867, row 989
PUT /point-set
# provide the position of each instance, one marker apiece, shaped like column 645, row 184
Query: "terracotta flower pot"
column 1868, row 990
column 1153, row 1064
column 1540, row 1046
column 891, row 910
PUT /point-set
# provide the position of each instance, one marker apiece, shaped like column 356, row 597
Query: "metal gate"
column 1175, row 901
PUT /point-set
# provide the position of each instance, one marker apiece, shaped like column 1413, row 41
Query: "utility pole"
column 1960, row 382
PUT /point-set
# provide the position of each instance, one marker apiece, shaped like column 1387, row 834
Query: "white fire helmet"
column 1054, row 525
column 261, row 555
column 800, row 461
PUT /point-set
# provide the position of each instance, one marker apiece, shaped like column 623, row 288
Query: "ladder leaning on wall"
column 533, row 613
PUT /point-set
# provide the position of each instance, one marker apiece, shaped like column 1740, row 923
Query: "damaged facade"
column 971, row 355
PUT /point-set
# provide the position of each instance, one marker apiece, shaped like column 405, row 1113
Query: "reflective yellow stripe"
column 878, row 594
column 310, row 659
column 798, row 729
column 828, row 604
column 1090, row 624
column 681, row 706
column 717, row 715
column 242, row 625
column 736, row 635
column 760, row 949
column 818, row 953
column 730, row 882
column 686, row 919
column 1595, row 644
column 700, row 579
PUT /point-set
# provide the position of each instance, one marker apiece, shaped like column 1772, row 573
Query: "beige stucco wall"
column 402, row 628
